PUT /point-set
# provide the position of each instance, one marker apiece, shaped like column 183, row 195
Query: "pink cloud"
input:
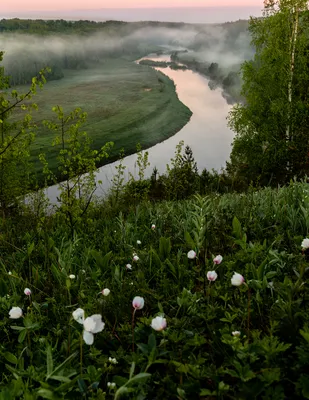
column 22, row 5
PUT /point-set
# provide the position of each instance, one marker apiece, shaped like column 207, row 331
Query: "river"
column 206, row 133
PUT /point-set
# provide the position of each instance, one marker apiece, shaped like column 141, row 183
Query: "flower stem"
column 81, row 355
column 248, row 320
column 133, row 315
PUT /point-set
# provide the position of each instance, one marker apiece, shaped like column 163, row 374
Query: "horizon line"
column 133, row 8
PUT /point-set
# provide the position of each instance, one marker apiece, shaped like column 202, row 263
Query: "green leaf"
column 22, row 335
column 139, row 378
column 30, row 249
column 10, row 358
column 304, row 384
column 305, row 334
column 152, row 343
column 62, row 366
column 132, row 369
column 49, row 360
column 61, row 378
column 190, row 241
column 47, row 394
column 207, row 392
column 237, row 231
column 122, row 390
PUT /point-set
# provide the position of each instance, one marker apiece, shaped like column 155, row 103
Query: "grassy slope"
column 264, row 246
column 126, row 103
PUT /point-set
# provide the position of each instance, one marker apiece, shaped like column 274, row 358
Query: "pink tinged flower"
column 237, row 279
column 27, row 292
column 305, row 244
column 105, row 292
column 158, row 324
column 153, row 227
column 218, row 259
column 236, row 333
column 138, row 303
column 15, row 312
column 191, row 254
column 212, row 276
column 129, row 266
column 135, row 257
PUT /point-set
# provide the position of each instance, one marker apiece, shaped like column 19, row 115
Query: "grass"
column 126, row 104
column 259, row 235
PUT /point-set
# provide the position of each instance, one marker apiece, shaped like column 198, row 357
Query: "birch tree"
column 271, row 143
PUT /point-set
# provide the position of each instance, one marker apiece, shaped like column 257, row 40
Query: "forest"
column 186, row 285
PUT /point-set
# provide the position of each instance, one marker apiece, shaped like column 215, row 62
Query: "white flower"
column 212, row 276
column 27, row 291
column 79, row 315
column 135, row 257
column 158, row 324
column 15, row 312
column 138, row 242
column 129, row 266
column 105, row 292
column 218, row 259
column 10, row 273
column 191, row 254
column 138, row 303
column 72, row 276
column 111, row 385
column 93, row 324
column 305, row 244
column 153, row 227
column 236, row 333
column 112, row 360
column 237, row 279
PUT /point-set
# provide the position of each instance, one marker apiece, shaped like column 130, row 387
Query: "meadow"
column 126, row 104
column 173, row 287
column 198, row 299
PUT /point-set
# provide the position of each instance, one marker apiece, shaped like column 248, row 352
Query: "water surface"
column 206, row 133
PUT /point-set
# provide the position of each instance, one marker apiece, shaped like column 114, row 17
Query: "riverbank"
column 126, row 103
column 206, row 133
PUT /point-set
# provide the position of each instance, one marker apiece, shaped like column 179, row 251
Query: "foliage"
column 77, row 165
column 271, row 144
column 15, row 139
column 258, row 234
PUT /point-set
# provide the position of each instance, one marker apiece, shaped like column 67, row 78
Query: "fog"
column 226, row 44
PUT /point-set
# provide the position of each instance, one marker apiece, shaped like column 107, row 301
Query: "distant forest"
column 62, row 45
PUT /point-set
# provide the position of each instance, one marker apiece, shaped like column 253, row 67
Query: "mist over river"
column 206, row 133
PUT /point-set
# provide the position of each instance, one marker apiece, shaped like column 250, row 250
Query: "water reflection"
column 206, row 133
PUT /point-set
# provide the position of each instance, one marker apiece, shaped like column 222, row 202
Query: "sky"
column 28, row 5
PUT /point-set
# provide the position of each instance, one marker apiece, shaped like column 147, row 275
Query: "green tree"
column 17, row 132
column 271, row 144
column 77, row 165
column 182, row 178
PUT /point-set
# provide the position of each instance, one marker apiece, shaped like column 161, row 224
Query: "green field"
column 126, row 104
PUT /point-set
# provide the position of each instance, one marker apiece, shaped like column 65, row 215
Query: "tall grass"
column 259, row 235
